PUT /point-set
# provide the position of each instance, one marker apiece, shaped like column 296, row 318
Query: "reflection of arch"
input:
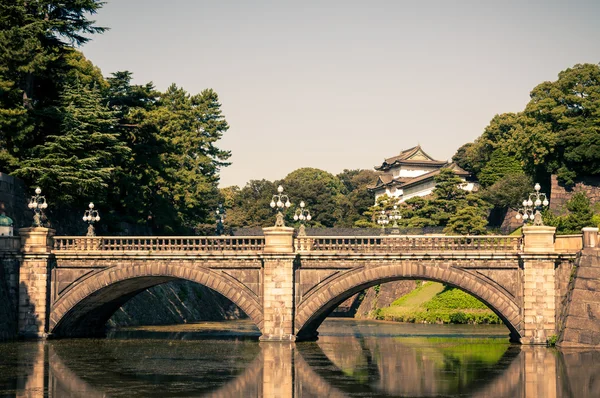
column 64, row 382
column 510, row 382
column 330, row 379
column 248, row 384
column 307, row 378
column 85, row 308
column 325, row 298
column 154, row 367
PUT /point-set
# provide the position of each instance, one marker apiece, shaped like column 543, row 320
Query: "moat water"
column 350, row 359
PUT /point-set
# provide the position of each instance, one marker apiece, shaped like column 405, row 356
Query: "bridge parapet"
column 11, row 244
column 408, row 243
column 163, row 244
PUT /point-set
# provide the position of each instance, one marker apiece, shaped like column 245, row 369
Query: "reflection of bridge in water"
column 70, row 286
column 302, row 370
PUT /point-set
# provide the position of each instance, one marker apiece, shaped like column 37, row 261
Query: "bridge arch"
column 84, row 309
column 323, row 299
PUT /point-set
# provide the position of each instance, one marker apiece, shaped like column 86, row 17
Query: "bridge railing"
column 407, row 243
column 159, row 243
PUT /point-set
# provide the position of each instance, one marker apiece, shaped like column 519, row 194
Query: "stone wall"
column 9, row 268
column 173, row 303
column 559, row 195
column 387, row 294
column 580, row 320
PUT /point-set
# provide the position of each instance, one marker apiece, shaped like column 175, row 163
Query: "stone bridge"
column 70, row 286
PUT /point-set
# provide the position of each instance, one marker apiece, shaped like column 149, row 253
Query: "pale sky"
column 344, row 84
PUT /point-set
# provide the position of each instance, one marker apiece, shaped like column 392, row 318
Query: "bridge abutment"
column 278, row 285
column 34, row 282
column 539, row 285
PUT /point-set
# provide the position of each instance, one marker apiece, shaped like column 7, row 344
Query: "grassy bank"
column 433, row 302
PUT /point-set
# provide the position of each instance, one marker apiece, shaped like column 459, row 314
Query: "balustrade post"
column 590, row 237
column 34, row 281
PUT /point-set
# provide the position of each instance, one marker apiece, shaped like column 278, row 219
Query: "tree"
column 561, row 125
column 558, row 132
column 496, row 137
column 448, row 206
column 500, row 165
column 580, row 216
column 470, row 220
column 77, row 163
column 249, row 206
column 322, row 192
column 509, row 191
column 184, row 190
column 133, row 183
column 35, row 43
column 359, row 199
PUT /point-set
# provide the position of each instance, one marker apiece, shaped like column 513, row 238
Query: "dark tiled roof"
column 408, row 182
column 405, row 158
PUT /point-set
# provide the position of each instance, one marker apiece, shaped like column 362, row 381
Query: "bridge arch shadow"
column 324, row 298
column 84, row 309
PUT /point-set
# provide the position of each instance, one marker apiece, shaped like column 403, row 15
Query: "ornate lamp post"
column 303, row 215
column 395, row 216
column 91, row 216
column 532, row 207
column 38, row 203
column 383, row 220
column 220, row 216
column 277, row 201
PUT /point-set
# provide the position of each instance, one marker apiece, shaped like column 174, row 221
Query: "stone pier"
column 278, row 285
column 34, row 282
column 539, row 285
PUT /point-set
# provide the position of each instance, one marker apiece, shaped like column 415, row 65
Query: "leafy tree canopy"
column 558, row 132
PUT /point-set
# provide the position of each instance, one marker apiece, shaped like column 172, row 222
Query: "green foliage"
column 433, row 303
column 250, row 205
column 439, row 316
column 358, row 197
column 552, row 340
column 473, row 157
column 449, row 206
column 333, row 201
column 499, row 166
column 77, row 162
column 509, row 191
column 470, row 220
column 184, row 191
column 35, row 63
column 557, row 132
column 580, row 215
column 453, row 298
column 322, row 192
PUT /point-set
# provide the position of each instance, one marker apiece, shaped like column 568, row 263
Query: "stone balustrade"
column 407, row 243
column 158, row 243
column 10, row 244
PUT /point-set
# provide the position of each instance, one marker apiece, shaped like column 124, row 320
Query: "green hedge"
column 441, row 316
column 452, row 298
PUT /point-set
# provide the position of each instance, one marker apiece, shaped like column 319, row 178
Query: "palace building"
column 411, row 173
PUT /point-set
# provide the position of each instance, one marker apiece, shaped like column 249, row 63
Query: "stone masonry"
column 288, row 287
column 539, row 285
column 34, row 282
column 581, row 322
column 560, row 195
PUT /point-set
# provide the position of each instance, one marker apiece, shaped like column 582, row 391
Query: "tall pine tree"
column 76, row 163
